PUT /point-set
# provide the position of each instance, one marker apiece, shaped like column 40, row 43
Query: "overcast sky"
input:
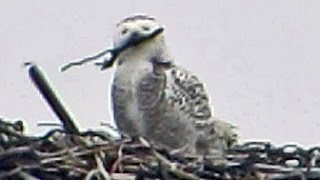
column 259, row 59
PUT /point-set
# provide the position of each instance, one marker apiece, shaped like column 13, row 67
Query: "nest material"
column 68, row 153
column 96, row 155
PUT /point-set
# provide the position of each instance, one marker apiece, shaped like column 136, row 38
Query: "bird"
column 155, row 98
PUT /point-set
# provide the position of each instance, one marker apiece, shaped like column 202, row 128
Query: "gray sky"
column 258, row 59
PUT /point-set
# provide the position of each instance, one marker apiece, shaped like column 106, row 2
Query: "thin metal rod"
column 41, row 82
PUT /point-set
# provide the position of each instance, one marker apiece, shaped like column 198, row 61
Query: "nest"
column 97, row 155
column 68, row 153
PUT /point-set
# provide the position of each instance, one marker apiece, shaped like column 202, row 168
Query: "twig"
column 91, row 174
column 101, row 168
column 14, row 134
column 84, row 60
column 167, row 164
column 7, row 174
column 116, row 164
column 123, row 176
column 174, row 169
column 48, row 124
column 113, row 128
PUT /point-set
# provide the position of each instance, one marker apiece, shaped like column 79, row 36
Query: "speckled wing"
column 180, row 88
column 171, row 100
column 185, row 91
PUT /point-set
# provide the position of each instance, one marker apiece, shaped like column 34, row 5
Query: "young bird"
column 154, row 98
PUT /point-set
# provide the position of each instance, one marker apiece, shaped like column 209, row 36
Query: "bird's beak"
column 133, row 40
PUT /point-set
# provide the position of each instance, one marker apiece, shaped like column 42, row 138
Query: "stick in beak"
column 134, row 40
column 114, row 52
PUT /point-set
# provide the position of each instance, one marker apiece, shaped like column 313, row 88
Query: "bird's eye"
column 124, row 31
column 145, row 28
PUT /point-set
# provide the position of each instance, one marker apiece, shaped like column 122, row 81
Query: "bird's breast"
column 128, row 76
column 125, row 94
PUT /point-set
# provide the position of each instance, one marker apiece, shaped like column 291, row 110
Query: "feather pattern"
column 171, row 100
column 186, row 91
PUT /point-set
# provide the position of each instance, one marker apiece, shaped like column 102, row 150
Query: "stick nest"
column 98, row 155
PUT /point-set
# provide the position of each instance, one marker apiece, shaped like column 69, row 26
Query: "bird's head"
column 135, row 32
column 136, row 29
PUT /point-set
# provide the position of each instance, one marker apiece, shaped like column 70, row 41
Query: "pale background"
column 258, row 59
